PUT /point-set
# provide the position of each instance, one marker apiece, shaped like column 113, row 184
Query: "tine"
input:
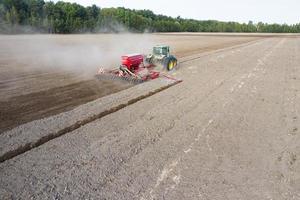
column 111, row 77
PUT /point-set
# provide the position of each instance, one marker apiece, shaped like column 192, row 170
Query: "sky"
column 270, row 11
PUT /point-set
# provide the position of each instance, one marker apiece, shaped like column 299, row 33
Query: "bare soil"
column 25, row 108
column 45, row 75
column 230, row 130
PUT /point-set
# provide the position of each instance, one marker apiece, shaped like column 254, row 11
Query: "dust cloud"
column 82, row 54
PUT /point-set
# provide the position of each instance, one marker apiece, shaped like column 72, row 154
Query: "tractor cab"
column 161, row 50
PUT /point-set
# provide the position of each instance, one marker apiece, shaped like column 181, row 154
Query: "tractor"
column 138, row 68
column 161, row 56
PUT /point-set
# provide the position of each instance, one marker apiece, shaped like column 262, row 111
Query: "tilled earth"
column 45, row 75
column 25, row 108
column 230, row 130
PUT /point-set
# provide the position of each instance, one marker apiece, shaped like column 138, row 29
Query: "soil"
column 230, row 130
column 44, row 75
column 25, row 108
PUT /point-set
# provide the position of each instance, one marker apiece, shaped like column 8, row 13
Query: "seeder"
column 137, row 68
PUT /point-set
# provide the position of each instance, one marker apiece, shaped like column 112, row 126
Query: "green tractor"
column 161, row 56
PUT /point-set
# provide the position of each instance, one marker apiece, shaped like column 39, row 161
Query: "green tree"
column 63, row 17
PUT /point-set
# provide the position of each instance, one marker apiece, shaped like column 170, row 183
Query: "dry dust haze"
column 80, row 53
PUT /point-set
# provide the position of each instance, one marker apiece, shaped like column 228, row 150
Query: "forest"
column 27, row 16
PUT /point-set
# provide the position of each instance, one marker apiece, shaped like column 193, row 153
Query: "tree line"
column 19, row 16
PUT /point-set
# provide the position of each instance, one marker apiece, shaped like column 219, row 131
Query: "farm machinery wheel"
column 170, row 63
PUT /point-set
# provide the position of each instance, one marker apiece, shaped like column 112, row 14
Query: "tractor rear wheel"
column 170, row 63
